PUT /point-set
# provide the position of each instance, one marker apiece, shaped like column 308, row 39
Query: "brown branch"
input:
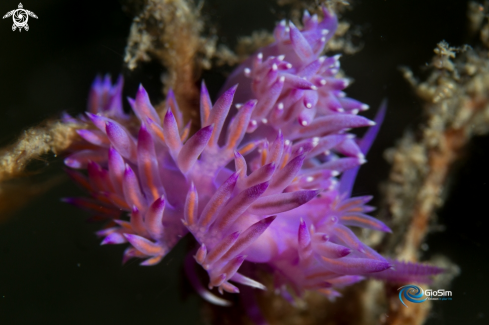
column 50, row 137
column 457, row 108
column 169, row 30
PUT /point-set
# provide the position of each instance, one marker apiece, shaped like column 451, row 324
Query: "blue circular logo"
column 411, row 293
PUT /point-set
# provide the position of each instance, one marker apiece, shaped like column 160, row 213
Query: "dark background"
column 52, row 269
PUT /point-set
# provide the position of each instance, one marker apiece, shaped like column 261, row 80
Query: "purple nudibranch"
column 259, row 184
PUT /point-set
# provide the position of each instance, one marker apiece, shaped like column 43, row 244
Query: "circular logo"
column 411, row 293
column 20, row 17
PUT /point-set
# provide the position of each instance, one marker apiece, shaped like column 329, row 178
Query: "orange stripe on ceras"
column 357, row 209
column 206, row 111
column 272, row 204
column 215, row 205
column 153, row 260
column 346, row 236
column 185, row 133
column 264, row 154
column 153, row 248
column 119, row 201
column 247, row 148
column 174, row 141
column 214, row 134
column 285, row 160
column 217, row 252
column 149, row 178
column 158, row 131
column 351, row 203
column 361, row 220
column 236, row 131
column 191, row 209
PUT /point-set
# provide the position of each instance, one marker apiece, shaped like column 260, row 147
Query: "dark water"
column 52, row 269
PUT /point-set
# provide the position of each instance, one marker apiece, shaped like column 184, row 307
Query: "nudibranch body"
column 270, row 184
